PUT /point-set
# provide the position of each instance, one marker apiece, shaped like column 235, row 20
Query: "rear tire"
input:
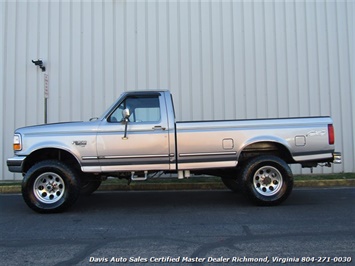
column 267, row 180
column 50, row 186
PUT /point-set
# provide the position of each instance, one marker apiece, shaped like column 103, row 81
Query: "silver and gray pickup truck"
column 138, row 138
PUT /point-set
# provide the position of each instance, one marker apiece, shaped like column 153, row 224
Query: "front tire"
column 89, row 184
column 50, row 186
column 267, row 180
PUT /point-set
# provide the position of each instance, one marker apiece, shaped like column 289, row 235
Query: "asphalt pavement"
column 203, row 227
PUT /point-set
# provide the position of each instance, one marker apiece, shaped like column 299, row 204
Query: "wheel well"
column 47, row 154
column 266, row 147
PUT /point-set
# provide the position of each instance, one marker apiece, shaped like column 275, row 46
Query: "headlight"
column 17, row 144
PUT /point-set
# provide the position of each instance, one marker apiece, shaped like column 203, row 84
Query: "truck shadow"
column 161, row 199
column 199, row 199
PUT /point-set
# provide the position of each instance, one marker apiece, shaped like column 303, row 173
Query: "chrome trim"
column 134, row 156
column 91, row 169
column 90, row 158
column 126, row 157
column 311, row 157
column 206, row 165
column 337, row 159
column 136, row 167
column 207, row 154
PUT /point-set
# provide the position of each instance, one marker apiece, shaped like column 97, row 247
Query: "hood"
column 54, row 128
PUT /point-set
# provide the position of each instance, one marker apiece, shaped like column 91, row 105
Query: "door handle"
column 158, row 128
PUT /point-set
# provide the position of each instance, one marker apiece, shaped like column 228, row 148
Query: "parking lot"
column 181, row 227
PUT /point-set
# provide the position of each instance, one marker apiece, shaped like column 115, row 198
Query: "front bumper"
column 337, row 158
column 15, row 164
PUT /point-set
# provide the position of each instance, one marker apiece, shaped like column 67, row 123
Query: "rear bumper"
column 337, row 157
column 15, row 164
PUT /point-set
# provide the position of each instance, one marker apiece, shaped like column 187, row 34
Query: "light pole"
column 40, row 64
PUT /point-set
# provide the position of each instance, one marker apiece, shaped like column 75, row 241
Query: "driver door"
column 146, row 146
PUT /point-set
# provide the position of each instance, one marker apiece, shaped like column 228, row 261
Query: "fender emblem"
column 81, row 143
column 314, row 133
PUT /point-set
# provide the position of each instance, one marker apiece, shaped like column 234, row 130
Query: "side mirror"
column 126, row 113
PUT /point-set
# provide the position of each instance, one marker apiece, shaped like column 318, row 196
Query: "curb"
column 14, row 189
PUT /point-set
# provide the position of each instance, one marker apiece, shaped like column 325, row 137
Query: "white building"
column 220, row 59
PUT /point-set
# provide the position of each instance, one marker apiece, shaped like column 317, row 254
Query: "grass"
column 340, row 176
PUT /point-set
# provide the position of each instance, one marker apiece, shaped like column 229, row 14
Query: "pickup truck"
column 138, row 138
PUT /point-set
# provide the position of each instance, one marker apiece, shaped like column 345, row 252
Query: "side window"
column 143, row 109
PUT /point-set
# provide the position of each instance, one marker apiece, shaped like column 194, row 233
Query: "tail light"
column 331, row 134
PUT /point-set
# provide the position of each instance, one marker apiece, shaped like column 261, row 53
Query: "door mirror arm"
column 126, row 114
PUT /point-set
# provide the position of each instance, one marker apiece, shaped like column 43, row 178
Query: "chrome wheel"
column 267, row 181
column 48, row 188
